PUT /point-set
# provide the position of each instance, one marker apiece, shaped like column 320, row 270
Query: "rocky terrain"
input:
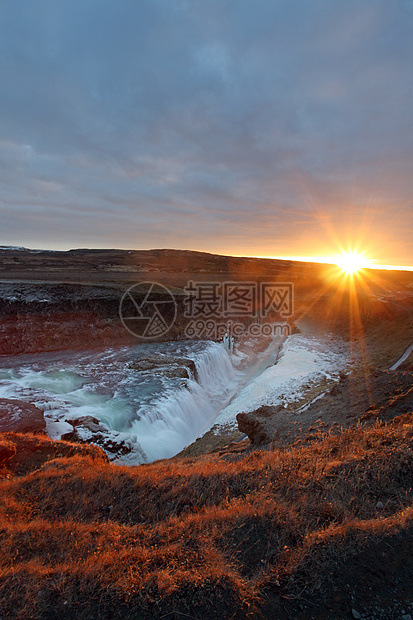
column 310, row 516
column 373, row 397
column 166, row 366
column 51, row 300
column 20, row 417
column 58, row 300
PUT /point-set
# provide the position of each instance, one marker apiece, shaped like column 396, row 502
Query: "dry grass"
column 203, row 537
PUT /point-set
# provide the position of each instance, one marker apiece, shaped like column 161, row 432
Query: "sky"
column 246, row 127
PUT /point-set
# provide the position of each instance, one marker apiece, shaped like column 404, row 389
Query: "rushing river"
column 158, row 415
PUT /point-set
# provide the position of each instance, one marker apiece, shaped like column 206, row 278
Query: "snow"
column 56, row 428
column 20, row 248
column 303, row 363
column 403, row 358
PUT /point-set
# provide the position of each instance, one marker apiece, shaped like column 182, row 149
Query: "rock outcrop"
column 166, row 365
column 22, row 453
column 88, row 429
column 260, row 425
column 17, row 416
column 50, row 316
column 344, row 405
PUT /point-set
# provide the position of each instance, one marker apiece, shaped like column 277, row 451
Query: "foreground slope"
column 311, row 530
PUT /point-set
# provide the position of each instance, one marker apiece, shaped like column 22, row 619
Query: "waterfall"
column 174, row 420
column 215, row 369
column 161, row 414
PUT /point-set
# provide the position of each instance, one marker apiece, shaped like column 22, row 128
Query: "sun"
column 351, row 262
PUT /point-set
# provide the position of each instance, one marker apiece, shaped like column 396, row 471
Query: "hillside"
column 311, row 530
column 52, row 300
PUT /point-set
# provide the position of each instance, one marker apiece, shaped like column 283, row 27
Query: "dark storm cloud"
column 169, row 122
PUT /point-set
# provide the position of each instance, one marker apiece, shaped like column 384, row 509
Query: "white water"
column 157, row 417
column 154, row 415
column 304, row 362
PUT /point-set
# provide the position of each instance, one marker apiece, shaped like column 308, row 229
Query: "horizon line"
column 327, row 260
column 330, row 260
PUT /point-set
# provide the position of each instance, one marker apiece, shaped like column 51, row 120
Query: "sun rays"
column 351, row 262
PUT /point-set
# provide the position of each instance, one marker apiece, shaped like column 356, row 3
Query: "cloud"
column 163, row 116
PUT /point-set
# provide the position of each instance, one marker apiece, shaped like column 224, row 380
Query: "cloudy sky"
column 253, row 127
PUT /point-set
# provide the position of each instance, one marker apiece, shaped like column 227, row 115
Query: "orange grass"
column 80, row 537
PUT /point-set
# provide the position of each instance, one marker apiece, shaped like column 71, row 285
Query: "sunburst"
column 351, row 262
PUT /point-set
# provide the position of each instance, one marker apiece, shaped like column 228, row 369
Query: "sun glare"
column 351, row 262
